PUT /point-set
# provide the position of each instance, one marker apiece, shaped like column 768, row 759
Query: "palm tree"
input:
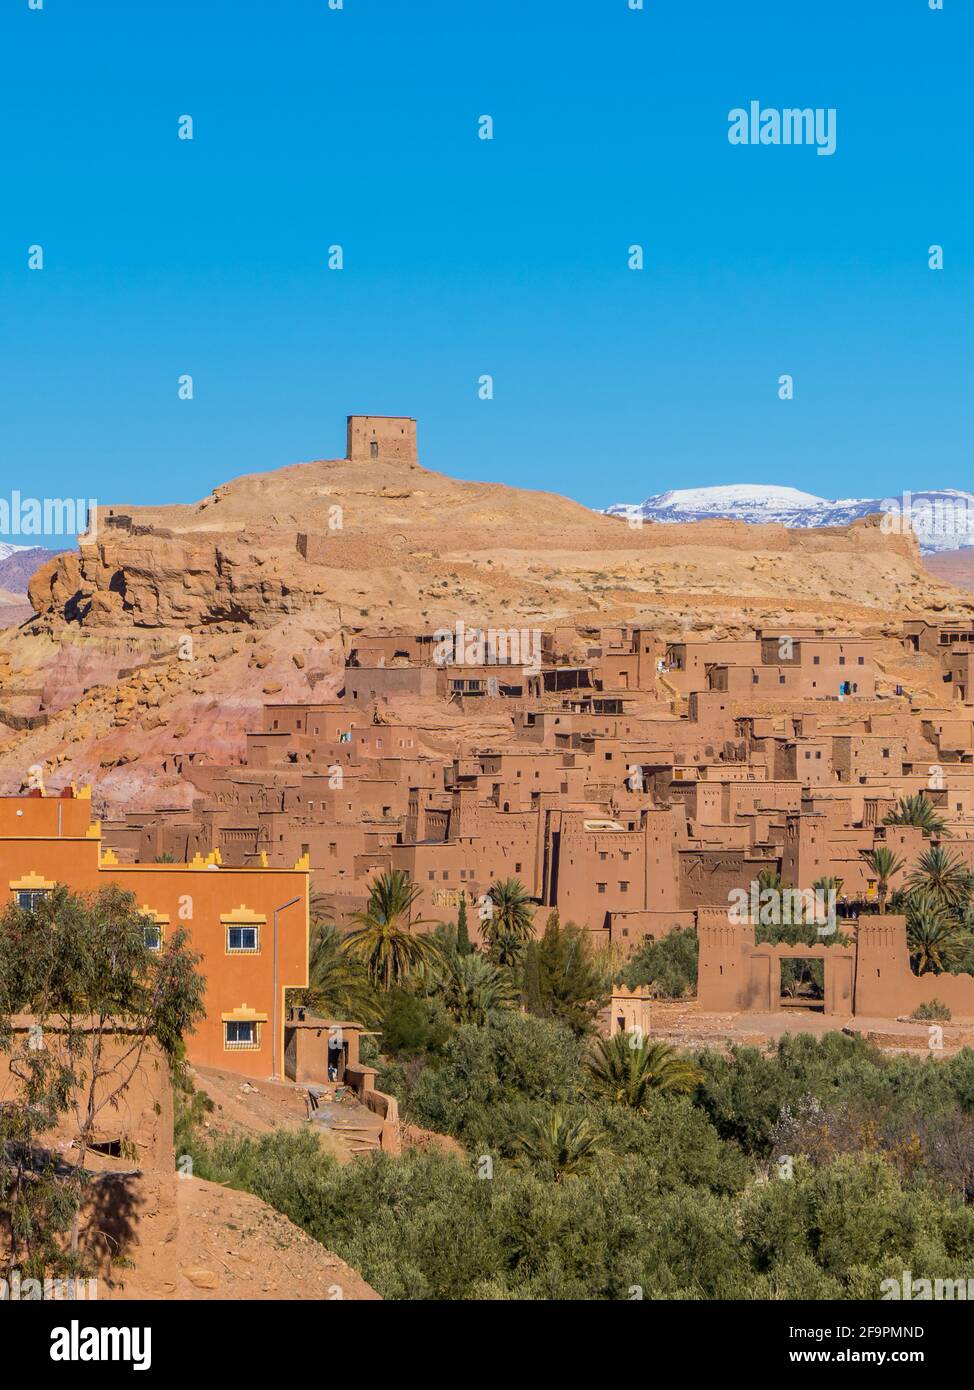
column 769, row 880
column 885, row 865
column 944, row 874
column 381, row 941
column 562, row 1146
column 475, row 989
column 828, row 884
column 628, row 1071
column 917, row 811
column 933, row 936
column 511, row 923
column 338, row 986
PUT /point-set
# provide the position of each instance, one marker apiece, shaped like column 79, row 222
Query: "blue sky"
column 464, row 257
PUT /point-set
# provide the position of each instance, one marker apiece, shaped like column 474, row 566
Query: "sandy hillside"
column 225, row 1244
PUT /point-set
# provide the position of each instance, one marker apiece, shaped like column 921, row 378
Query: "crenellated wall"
column 870, row 977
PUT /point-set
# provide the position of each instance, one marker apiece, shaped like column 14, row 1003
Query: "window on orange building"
column 29, row 898
column 243, row 938
column 241, row 1033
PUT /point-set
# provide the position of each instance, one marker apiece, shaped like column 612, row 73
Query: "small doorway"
column 802, row 983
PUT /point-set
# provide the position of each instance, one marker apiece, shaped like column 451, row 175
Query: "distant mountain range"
column 19, row 563
column 943, row 518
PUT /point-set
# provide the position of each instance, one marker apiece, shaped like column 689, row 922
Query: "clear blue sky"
column 463, row 257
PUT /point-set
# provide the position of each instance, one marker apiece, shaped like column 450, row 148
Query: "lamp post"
column 283, row 906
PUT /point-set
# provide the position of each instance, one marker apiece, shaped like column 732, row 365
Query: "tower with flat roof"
column 382, row 438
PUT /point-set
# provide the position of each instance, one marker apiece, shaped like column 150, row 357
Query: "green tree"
column 475, row 989
column 668, row 967
column 943, row 874
column 572, row 985
column 628, row 1070
column 338, row 986
column 463, row 934
column 532, row 980
column 885, row 865
column 933, row 936
column 920, row 812
column 769, row 879
column 413, row 1025
column 511, row 923
column 382, row 941
column 99, row 995
column 559, row 1146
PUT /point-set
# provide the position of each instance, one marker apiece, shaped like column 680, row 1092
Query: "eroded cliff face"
column 155, row 581
column 165, row 632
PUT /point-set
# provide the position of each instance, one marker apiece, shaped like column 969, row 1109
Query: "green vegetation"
column 572, row 984
column 885, row 865
column 565, row 1193
column 943, row 875
column 382, row 941
column 668, row 967
column 511, row 924
column 631, row 1071
column 339, row 986
column 936, row 1011
column 933, row 934
column 82, row 969
column 590, row 1167
column 918, row 811
column 463, row 935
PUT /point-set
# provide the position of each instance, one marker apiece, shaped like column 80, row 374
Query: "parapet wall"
column 886, row 987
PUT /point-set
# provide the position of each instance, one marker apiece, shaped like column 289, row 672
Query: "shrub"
column 413, row 1025
column 935, row 1010
column 668, row 966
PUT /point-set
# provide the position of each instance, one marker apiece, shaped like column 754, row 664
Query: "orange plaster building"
column 249, row 925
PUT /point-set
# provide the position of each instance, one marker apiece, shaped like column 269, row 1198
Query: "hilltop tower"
column 382, row 438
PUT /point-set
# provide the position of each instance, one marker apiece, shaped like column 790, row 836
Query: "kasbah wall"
column 871, row 976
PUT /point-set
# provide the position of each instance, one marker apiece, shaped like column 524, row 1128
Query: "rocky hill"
column 163, row 634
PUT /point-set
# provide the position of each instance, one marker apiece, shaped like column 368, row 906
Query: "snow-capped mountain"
column 6, row 549
column 943, row 519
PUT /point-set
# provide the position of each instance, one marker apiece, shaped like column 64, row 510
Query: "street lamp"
column 274, row 1039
